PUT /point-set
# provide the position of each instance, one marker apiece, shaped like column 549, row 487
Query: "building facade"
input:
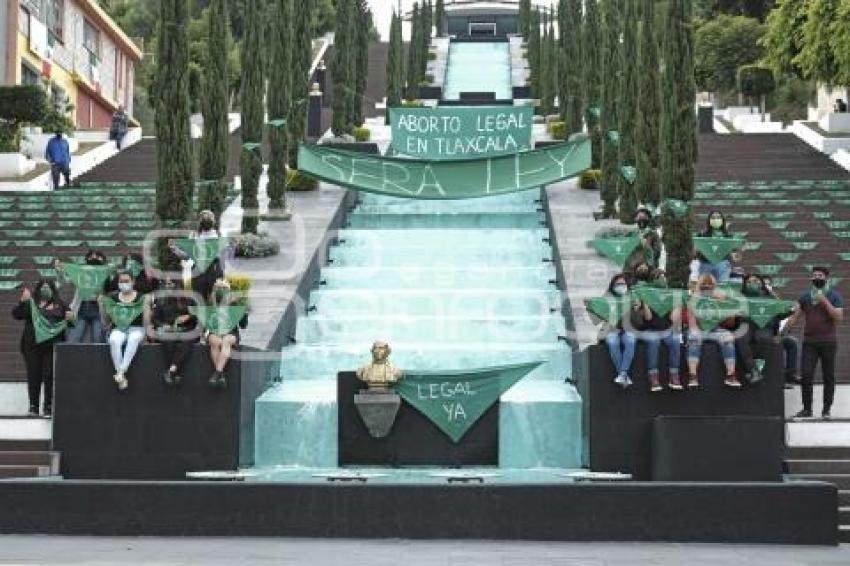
column 76, row 49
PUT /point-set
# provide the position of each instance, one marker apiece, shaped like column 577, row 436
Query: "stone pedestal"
column 378, row 411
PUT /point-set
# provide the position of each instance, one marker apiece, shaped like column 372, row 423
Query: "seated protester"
column 749, row 337
column 203, row 282
column 88, row 318
column 45, row 317
column 621, row 339
column 641, row 274
column 174, row 327
column 790, row 345
column 222, row 344
column 649, row 251
column 134, row 264
column 722, row 334
column 124, row 312
column 716, row 228
column 658, row 330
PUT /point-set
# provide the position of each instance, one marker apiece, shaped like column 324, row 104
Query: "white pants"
column 132, row 337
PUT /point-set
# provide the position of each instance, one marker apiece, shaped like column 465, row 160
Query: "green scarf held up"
column 203, row 251
column 610, row 309
column 121, row 314
column 44, row 329
column 617, row 249
column 710, row 312
column 763, row 310
column 661, row 301
column 716, row 250
column 88, row 279
column 219, row 320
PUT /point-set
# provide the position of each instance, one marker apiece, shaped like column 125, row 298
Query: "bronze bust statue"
column 380, row 375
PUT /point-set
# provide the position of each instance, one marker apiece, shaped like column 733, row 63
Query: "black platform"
column 800, row 513
column 619, row 421
column 151, row 431
column 414, row 440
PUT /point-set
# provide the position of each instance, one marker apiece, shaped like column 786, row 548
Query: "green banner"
column 610, row 309
column 203, row 251
column 219, row 320
column 44, row 329
column 461, row 132
column 122, row 315
column 661, row 301
column 455, row 400
column 457, row 179
column 710, row 312
column 88, row 279
column 717, row 249
column 617, row 249
column 763, row 311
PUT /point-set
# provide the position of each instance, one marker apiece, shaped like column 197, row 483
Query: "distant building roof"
column 474, row 7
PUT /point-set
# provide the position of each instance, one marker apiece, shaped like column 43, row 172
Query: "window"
column 29, row 76
column 55, row 20
column 91, row 41
column 24, row 21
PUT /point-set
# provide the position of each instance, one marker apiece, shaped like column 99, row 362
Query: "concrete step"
column 817, row 453
column 23, row 428
column 843, row 498
column 24, row 445
column 23, row 471
column 818, row 433
column 844, row 533
column 49, row 460
column 844, row 515
column 13, row 398
column 826, row 466
column 842, row 481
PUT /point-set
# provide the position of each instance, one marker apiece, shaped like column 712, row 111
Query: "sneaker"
column 48, row 411
column 693, row 383
column 732, row 381
column 628, row 381
column 756, row 377
column 213, row 381
column 789, row 385
column 168, row 378
column 804, row 414
column 222, row 383
column 621, row 379
column 675, row 383
column 120, row 381
column 655, row 383
column 826, row 415
column 177, row 378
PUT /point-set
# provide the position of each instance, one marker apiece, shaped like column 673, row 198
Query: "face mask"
column 206, row 225
column 642, row 223
column 45, row 293
column 753, row 289
column 125, row 287
column 706, row 289
column 819, row 283
column 95, row 261
column 716, row 223
column 621, row 290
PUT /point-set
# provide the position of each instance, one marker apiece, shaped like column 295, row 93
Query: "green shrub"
column 255, row 245
column 56, row 121
column 295, row 181
column 361, row 133
column 19, row 105
column 755, row 81
column 557, row 129
column 590, row 179
column 432, row 56
column 412, row 103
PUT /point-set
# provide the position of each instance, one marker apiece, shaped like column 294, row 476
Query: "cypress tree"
column 363, row 22
column 395, row 64
column 678, row 137
column 302, row 56
column 279, row 103
column 440, row 17
column 646, row 133
column 341, row 67
column 413, row 57
column 593, row 73
column 426, row 17
column 628, row 109
column 174, row 158
column 570, row 77
column 253, row 82
column 525, row 18
column 545, row 70
column 215, row 143
column 534, row 51
column 610, row 117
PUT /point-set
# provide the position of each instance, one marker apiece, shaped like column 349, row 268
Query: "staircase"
column 827, row 464
column 27, row 459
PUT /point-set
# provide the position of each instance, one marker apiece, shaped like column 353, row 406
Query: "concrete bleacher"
column 792, row 204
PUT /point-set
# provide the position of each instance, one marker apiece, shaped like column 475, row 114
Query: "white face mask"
column 621, row 290
column 125, row 287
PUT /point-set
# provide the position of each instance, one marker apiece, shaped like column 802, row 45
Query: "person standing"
column 44, row 315
column 118, row 129
column 58, row 155
column 821, row 307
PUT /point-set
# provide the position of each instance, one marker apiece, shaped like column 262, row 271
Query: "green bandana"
column 455, row 400
column 710, row 312
column 763, row 311
column 660, row 300
column 219, row 320
column 122, row 315
column 203, row 251
column 717, row 249
column 677, row 208
column 44, row 329
column 617, row 249
column 88, row 279
column 610, row 309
